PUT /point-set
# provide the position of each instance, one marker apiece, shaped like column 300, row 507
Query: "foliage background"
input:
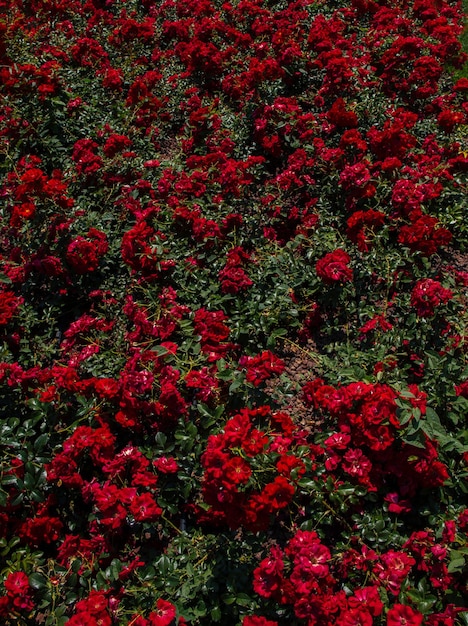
column 233, row 313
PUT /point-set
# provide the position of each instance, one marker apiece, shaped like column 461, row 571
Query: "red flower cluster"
column 254, row 620
column 232, row 459
column 205, row 382
column 92, row 610
column 84, row 253
column 233, row 277
column 377, row 323
column 172, row 172
column 28, row 187
column 87, row 162
column 404, row 614
column 428, row 295
column 112, row 503
column 9, row 303
column 425, row 234
column 366, row 446
column 302, row 575
column 306, row 575
column 212, row 330
column 362, row 227
column 144, row 252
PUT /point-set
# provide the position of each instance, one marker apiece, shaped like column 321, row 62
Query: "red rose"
column 333, row 267
column 401, row 614
column 164, row 614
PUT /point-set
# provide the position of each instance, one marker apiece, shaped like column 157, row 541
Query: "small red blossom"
column 87, row 162
column 425, row 234
column 116, row 144
column 41, row 529
column 462, row 389
column 362, row 227
column 368, row 598
column 279, row 493
column 268, row 576
column 166, row 465
column 357, row 616
column 404, row 615
column 92, row 610
column 237, row 470
column 396, row 504
column 378, row 323
column 144, row 508
column 333, row 268
column 254, row 442
column 355, row 463
column 17, row 584
column 204, row 382
column 233, row 277
column 164, row 614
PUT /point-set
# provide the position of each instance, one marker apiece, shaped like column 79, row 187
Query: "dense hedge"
column 233, row 313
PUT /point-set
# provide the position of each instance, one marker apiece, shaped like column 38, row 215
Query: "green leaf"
column 29, row 481
column 405, row 416
column 415, row 438
column 216, row 614
column 406, row 394
column 37, row 581
column 464, row 616
column 457, row 561
column 229, row 599
column 163, row 565
column 235, row 385
column 280, row 332
column 160, row 350
column 433, row 418
column 242, row 599
column 456, row 565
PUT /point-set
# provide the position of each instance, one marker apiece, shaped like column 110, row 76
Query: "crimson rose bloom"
column 144, row 508
column 17, row 584
column 462, row 389
column 279, row 493
column 333, row 267
column 268, row 576
column 355, row 616
column 84, row 155
column 401, row 614
column 237, row 471
column 164, row 614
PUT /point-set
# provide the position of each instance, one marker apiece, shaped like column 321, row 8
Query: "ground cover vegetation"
column 233, row 313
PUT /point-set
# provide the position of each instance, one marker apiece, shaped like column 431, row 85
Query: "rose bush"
column 192, row 192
